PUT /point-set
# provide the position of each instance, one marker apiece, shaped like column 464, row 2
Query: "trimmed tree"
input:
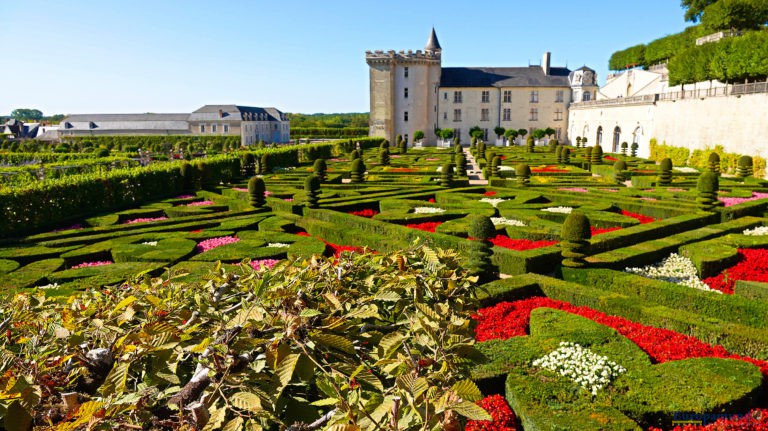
column 620, row 171
column 320, row 168
column 357, row 171
column 523, row 174
column 265, row 167
column 481, row 230
column 566, row 155
column 418, row 135
column 249, row 164
column 403, row 147
column 511, row 135
column 530, row 145
column 188, row 177
column 495, row 166
column 256, row 191
column 597, row 155
column 384, row 156
column 461, row 165
column 446, row 175
column 713, row 163
column 481, row 150
column 553, row 143
column 499, row 131
column 665, row 172
column 624, row 147
column 578, row 142
column 312, row 189
column 575, row 236
column 744, row 168
column 707, row 188
column 633, row 149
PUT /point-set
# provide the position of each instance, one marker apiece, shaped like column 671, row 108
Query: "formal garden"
column 357, row 285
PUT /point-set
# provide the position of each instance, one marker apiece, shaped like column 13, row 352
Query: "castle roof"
column 432, row 43
column 531, row 76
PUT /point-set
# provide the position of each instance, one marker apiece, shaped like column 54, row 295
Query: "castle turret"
column 583, row 84
column 403, row 91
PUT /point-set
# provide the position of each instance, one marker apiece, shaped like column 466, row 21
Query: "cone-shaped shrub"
column 249, row 164
column 634, row 148
column 597, row 155
column 578, row 142
column 385, row 144
column 530, row 145
column 574, row 243
column 566, row 155
column 320, row 168
column 707, row 188
column 458, row 149
column 713, row 163
column 665, row 172
column 473, row 141
column 355, row 154
column 357, row 171
column 446, row 175
column 559, row 154
column 265, row 167
column 620, row 171
column 481, row 150
column 495, row 166
column 624, row 147
column 403, row 147
column 456, row 141
column 481, row 230
column 552, row 145
column 256, row 191
column 461, row 165
column 744, row 168
column 207, row 180
column 588, row 155
column 384, row 156
column 398, row 140
column 312, row 189
column 188, row 177
column 523, row 174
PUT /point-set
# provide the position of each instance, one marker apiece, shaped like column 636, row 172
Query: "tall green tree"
column 735, row 15
column 695, row 8
column 27, row 114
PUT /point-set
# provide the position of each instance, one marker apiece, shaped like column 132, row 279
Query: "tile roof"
column 531, row 76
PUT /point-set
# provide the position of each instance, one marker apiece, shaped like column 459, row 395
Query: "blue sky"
column 299, row 56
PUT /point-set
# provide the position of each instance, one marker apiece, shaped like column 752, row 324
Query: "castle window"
column 486, row 96
column 213, row 128
column 445, row 96
column 445, row 115
column 534, row 115
column 535, row 96
column 558, row 133
column 457, row 115
column 226, row 128
column 405, row 72
column 202, row 128
column 405, row 116
column 558, row 115
column 457, row 97
column 507, row 96
column 559, row 96
column 507, row 114
column 587, row 96
column 484, row 114
column 405, row 92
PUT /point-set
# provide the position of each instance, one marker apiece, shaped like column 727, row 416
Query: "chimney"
column 221, row 113
column 545, row 62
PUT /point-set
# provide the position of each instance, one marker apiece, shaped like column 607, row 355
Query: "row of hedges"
column 328, row 132
column 682, row 156
column 658, row 51
column 148, row 141
column 730, row 59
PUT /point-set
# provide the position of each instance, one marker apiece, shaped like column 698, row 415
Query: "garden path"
column 473, row 170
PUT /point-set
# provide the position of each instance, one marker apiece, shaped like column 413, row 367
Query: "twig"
column 314, row 425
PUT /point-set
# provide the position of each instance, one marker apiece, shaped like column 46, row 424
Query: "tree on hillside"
column 27, row 114
column 735, row 15
column 695, row 8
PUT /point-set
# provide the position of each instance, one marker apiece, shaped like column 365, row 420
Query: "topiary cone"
column 320, row 168
column 446, row 175
column 523, row 174
column 620, row 171
column 744, row 167
column 713, row 163
column 707, row 188
column 665, row 172
column 481, row 230
column 256, row 191
column 461, row 165
column 597, row 155
column 575, row 235
column 357, row 171
column 312, row 189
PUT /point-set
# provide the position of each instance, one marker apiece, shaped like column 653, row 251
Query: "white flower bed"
column 428, row 210
column 506, row 221
column 278, row 245
column 590, row 370
column 506, row 168
column 492, row 201
column 758, row 231
column 564, row 210
column 685, row 169
column 151, row 243
column 674, row 269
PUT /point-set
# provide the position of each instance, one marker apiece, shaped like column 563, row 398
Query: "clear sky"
column 296, row 55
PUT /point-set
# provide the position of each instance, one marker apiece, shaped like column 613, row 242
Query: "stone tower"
column 583, row 84
column 403, row 92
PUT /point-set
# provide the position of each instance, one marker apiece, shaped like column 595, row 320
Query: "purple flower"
column 87, row 264
column 211, row 243
column 263, row 264
column 145, row 219
column 200, row 204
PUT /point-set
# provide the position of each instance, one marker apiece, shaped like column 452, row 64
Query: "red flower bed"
column 431, row 200
column 599, row 230
column 403, row 170
column 489, row 193
column 520, row 244
column 428, row 226
column 611, row 158
column 511, row 319
column 367, row 213
column 502, row 157
column 335, row 248
column 755, row 420
column 752, row 266
column 503, row 416
column 548, row 168
column 639, row 217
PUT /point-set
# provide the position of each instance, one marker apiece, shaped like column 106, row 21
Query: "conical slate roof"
column 432, row 43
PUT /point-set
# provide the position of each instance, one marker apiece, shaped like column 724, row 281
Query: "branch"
column 300, row 426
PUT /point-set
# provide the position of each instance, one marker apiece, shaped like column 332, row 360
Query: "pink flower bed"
column 263, row 264
column 145, row 219
column 185, row 197
column 74, row 226
column 200, row 204
column 431, row 159
column 573, row 189
column 88, row 264
column 676, row 189
column 212, row 243
column 240, row 189
column 733, row 201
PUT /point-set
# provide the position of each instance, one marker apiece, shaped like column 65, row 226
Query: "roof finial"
column 432, row 43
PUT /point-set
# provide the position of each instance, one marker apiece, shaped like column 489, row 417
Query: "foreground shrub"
column 256, row 191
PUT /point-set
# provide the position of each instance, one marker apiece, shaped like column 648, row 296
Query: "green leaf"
column 342, row 427
column 234, row 425
column 332, row 340
column 427, row 311
column 387, row 295
column 364, row 312
column 467, row 390
column 122, row 304
column 326, row 402
column 246, row 401
column 17, row 418
column 310, row 312
column 115, row 382
column 286, row 367
column 390, row 343
column 217, row 418
column 471, row 411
